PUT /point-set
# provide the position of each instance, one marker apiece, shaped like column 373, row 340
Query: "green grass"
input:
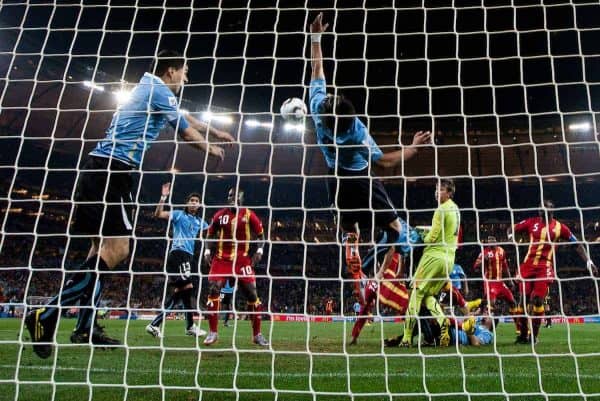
column 305, row 359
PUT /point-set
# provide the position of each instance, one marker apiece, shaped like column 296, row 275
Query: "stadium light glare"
column 90, row 84
column 185, row 112
column 293, row 127
column 122, row 96
column 252, row 123
column 580, row 127
column 210, row 116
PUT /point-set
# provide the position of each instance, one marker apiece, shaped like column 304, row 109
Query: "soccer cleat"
column 404, row 344
column 392, row 342
column 468, row 325
column 259, row 339
column 39, row 333
column 195, row 331
column 354, row 341
column 474, row 304
column 153, row 331
column 445, row 333
column 211, row 338
column 522, row 340
column 99, row 337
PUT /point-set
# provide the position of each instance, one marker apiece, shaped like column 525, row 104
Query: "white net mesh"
column 509, row 88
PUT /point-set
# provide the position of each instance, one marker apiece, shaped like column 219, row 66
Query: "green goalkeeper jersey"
column 442, row 240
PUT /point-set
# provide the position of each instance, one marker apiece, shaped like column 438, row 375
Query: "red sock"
column 460, row 301
column 213, row 304
column 360, row 322
column 255, row 318
column 538, row 314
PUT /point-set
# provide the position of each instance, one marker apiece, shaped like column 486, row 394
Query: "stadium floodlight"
column 586, row 126
column 90, row 84
column 122, row 96
column 293, row 127
column 252, row 123
column 223, row 119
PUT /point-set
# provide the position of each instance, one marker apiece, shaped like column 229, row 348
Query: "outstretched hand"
column 317, row 25
column 421, row 138
column 166, row 189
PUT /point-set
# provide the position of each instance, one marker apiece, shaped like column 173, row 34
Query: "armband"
column 315, row 37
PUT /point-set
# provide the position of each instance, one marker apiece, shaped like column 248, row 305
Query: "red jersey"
column 494, row 263
column 542, row 238
column 234, row 231
column 392, row 292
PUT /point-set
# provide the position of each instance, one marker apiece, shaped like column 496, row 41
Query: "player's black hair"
column 166, row 59
column 340, row 110
column 448, row 184
column 190, row 196
column 547, row 206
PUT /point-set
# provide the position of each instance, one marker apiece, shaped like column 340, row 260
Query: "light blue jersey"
column 482, row 333
column 456, row 276
column 355, row 147
column 137, row 123
column 227, row 289
column 185, row 230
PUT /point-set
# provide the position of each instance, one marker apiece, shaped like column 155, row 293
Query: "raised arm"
column 396, row 157
column 201, row 126
column 586, row 258
column 387, row 261
column 316, row 29
column 159, row 212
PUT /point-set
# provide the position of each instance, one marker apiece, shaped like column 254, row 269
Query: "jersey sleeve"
column 317, row 95
column 567, row 234
column 374, row 152
column 213, row 225
column 175, row 215
column 436, row 228
column 163, row 100
column 203, row 225
column 256, row 224
column 522, row 226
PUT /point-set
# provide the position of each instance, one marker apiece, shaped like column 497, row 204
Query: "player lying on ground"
column 229, row 259
column 104, row 203
column 180, row 267
column 537, row 270
column 435, row 264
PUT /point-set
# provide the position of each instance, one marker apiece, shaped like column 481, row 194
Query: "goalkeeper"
column 435, row 264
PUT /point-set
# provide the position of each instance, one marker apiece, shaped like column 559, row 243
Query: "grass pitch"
column 306, row 361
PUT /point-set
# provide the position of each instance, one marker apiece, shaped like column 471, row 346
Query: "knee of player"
column 537, row 301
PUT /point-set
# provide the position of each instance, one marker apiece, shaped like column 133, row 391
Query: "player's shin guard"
column 213, row 304
column 76, row 286
column 255, row 317
column 515, row 311
column 538, row 313
column 186, row 297
column 87, row 316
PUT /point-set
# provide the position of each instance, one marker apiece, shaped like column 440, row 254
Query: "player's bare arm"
column 391, row 159
column 197, row 140
column 316, row 29
column 203, row 127
column 159, row 212
column 259, row 251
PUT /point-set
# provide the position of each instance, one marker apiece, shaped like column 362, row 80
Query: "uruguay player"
column 349, row 149
column 186, row 227
column 104, row 202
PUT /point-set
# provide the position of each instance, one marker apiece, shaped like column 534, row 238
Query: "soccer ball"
column 293, row 109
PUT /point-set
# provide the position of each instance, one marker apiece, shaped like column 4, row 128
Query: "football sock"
column 186, row 297
column 213, row 304
column 255, row 318
column 536, row 321
column 169, row 304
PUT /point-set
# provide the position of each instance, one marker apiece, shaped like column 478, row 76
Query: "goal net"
column 509, row 89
